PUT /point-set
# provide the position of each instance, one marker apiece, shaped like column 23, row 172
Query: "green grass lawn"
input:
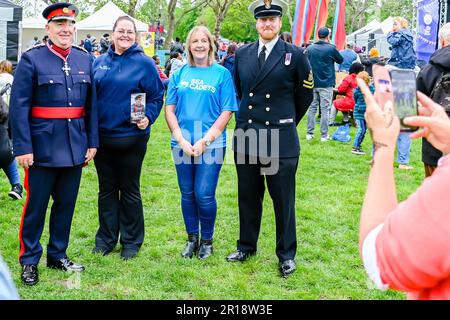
column 331, row 183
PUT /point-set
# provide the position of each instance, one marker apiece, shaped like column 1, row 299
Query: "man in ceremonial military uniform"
column 274, row 83
column 55, row 132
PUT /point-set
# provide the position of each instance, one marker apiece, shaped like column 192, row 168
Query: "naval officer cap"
column 60, row 11
column 267, row 8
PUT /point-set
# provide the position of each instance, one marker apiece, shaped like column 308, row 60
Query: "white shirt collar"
column 269, row 46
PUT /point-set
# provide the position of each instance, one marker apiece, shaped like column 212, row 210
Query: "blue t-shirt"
column 200, row 95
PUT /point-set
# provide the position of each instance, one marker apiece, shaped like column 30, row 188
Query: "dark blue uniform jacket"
column 40, row 81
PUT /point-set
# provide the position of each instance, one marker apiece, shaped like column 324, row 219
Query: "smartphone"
column 405, row 96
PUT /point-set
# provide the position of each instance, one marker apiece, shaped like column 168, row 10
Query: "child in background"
column 358, row 113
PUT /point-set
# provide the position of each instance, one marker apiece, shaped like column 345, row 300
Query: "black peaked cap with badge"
column 60, row 11
column 267, row 8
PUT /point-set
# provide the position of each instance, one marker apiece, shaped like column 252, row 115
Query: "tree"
column 173, row 21
column 220, row 8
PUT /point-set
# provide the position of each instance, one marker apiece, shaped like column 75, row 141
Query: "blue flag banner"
column 427, row 28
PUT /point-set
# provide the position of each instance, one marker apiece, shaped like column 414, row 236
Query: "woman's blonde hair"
column 403, row 22
column 190, row 57
column 364, row 76
column 6, row 67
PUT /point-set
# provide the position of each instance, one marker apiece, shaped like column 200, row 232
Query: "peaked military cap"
column 60, row 11
column 267, row 8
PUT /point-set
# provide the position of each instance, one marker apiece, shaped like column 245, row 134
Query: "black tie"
column 262, row 57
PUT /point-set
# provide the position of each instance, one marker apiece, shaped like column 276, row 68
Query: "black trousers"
column 251, row 189
column 118, row 163
column 42, row 183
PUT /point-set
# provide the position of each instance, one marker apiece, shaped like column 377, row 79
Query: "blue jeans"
column 197, row 179
column 12, row 173
column 403, row 147
column 360, row 134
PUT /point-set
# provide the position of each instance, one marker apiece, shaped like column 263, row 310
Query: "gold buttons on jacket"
column 250, row 107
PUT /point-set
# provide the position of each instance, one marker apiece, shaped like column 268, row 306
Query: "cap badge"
column 267, row 4
column 65, row 10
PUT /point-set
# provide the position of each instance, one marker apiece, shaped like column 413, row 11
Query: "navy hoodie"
column 117, row 77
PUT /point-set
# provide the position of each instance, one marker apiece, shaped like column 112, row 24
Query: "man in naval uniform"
column 55, row 131
column 274, row 83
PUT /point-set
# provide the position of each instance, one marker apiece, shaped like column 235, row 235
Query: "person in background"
column 228, row 61
column 404, row 246
column 346, row 104
column 322, row 56
column 358, row 113
column 104, row 43
column 197, row 114
column 123, row 71
column 177, row 46
column 374, row 58
column 403, row 56
column 162, row 75
column 45, row 39
column 176, row 63
column 87, row 44
column 349, row 56
column 10, row 165
column 432, row 83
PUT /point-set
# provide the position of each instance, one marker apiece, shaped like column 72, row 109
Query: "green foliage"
column 331, row 184
column 187, row 23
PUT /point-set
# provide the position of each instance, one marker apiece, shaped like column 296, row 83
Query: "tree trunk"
column 173, row 23
column 132, row 8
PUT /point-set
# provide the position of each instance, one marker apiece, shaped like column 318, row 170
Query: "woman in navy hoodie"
column 122, row 74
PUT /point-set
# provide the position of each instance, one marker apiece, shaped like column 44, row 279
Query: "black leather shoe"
column 191, row 247
column 30, row 274
column 205, row 250
column 64, row 264
column 240, row 256
column 101, row 250
column 287, row 267
column 128, row 253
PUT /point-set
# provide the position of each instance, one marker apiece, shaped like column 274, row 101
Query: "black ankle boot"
column 206, row 249
column 191, row 247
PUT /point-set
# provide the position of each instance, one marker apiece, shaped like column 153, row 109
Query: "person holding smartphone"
column 405, row 246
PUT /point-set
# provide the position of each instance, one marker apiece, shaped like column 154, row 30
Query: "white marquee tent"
column 379, row 30
column 102, row 21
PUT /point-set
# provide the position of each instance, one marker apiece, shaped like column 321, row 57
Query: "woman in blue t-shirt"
column 200, row 102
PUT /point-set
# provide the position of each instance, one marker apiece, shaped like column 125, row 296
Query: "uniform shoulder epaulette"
column 79, row 48
column 36, row 46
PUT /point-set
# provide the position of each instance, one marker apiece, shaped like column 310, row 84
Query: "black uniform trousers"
column 42, row 182
column 251, row 188
column 118, row 163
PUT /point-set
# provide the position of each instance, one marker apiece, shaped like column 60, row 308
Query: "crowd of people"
column 65, row 110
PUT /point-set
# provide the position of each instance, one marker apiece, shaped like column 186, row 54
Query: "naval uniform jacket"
column 275, row 97
column 40, row 81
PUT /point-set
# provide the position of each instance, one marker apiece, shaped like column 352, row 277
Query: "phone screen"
column 405, row 97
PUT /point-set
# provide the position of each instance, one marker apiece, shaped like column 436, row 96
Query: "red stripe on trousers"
column 22, row 245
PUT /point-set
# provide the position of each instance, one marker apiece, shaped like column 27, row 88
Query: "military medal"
column 66, row 68
column 287, row 59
